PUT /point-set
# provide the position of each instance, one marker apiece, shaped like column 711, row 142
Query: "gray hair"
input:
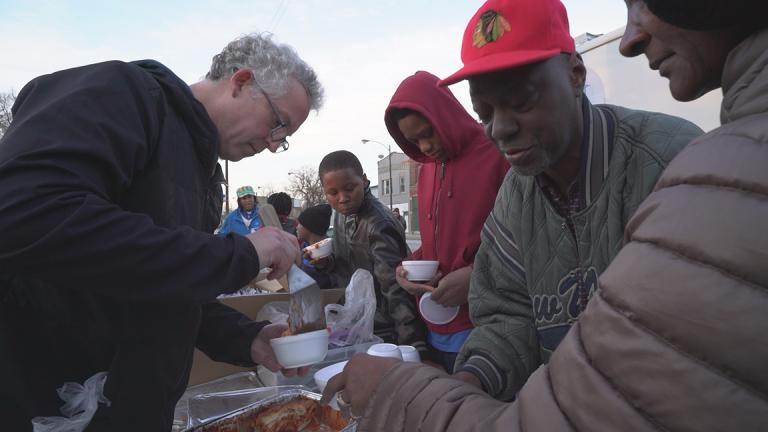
column 272, row 64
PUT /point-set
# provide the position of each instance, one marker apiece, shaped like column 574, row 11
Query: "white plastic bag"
column 275, row 312
column 80, row 403
column 352, row 323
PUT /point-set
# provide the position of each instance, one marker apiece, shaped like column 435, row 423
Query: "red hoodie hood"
column 455, row 127
column 454, row 198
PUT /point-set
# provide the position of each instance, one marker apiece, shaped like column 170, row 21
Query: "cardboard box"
column 204, row 369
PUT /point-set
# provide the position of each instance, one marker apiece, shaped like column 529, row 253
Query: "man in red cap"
column 674, row 340
column 581, row 171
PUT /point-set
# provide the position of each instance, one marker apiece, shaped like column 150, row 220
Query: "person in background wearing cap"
column 283, row 204
column 116, row 163
column 245, row 219
column 674, row 340
column 431, row 127
column 312, row 227
column 400, row 218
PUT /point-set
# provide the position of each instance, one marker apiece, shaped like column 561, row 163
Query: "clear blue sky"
column 360, row 49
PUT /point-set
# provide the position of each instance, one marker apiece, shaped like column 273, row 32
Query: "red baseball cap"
column 508, row 33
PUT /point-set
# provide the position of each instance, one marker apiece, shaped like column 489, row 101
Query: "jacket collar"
column 351, row 220
column 598, row 136
column 597, row 144
column 745, row 79
column 202, row 130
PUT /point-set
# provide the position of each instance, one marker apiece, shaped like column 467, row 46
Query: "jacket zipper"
column 569, row 224
column 437, row 205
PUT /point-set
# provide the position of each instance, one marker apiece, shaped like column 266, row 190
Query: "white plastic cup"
column 385, row 350
column 409, row 353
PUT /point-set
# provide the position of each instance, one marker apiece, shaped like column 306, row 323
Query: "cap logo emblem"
column 489, row 27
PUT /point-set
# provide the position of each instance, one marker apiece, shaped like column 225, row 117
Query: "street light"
column 389, row 156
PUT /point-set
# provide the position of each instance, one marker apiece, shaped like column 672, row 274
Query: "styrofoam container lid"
column 325, row 374
column 321, row 249
column 436, row 313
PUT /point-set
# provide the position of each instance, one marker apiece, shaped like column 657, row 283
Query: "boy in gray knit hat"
column 312, row 226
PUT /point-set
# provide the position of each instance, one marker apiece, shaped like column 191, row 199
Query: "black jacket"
column 110, row 189
column 373, row 240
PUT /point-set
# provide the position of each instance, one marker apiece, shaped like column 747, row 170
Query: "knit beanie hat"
column 317, row 219
column 708, row 14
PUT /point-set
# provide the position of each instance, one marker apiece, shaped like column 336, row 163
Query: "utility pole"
column 226, row 185
column 389, row 157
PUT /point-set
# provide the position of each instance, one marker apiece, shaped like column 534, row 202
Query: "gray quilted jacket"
column 536, row 269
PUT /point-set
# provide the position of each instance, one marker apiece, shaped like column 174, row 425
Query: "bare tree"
column 6, row 102
column 305, row 184
column 266, row 190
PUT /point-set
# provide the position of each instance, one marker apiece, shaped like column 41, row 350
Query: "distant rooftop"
column 585, row 37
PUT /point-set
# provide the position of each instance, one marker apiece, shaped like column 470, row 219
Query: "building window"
column 385, row 187
column 402, row 184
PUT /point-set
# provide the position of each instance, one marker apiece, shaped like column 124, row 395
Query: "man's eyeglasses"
column 279, row 132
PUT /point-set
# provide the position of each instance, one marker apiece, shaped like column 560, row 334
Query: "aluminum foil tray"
column 267, row 396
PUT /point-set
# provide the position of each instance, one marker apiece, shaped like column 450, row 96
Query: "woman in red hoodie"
column 460, row 175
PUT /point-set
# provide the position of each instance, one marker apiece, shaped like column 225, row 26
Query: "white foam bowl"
column 385, row 350
column 435, row 312
column 321, row 249
column 410, row 353
column 302, row 349
column 325, row 374
column 420, row 271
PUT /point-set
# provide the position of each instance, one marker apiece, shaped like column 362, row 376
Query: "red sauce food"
column 297, row 415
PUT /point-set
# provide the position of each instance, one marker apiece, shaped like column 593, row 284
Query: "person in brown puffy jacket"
column 674, row 340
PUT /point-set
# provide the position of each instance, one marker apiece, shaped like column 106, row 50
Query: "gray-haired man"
column 110, row 191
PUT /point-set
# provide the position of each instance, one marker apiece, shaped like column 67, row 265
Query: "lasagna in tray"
column 295, row 415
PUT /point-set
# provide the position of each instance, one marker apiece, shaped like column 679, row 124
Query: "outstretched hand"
column 453, row 288
column 317, row 262
column 415, row 288
column 357, row 382
column 276, row 249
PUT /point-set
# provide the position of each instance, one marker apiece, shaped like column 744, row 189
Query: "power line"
column 278, row 15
